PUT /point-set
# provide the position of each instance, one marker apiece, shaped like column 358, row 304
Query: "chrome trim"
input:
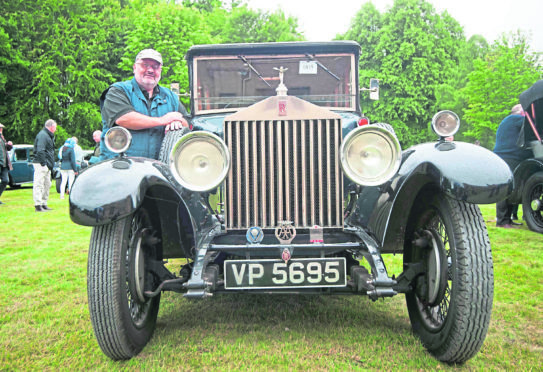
column 296, row 173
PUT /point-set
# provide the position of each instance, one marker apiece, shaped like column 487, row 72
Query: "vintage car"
column 23, row 171
column 282, row 187
column 528, row 174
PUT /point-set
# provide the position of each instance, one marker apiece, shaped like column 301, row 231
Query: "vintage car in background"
column 23, row 171
column 528, row 189
column 282, row 187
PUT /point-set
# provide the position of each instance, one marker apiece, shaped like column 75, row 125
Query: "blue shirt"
column 145, row 142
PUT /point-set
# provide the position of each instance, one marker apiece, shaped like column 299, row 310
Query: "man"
column 143, row 107
column 507, row 149
column 44, row 160
column 5, row 163
column 96, row 137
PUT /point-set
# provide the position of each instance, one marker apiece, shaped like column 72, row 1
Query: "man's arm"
column 119, row 110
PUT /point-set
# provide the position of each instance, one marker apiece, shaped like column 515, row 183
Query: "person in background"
column 44, row 160
column 96, row 137
column 5, row 163
column 507, row 149
column 68, row 166
column 143, row 107
column 79, row 154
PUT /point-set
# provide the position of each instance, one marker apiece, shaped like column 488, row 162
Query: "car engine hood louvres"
column 284, row 168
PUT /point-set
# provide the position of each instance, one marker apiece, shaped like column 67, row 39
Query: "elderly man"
column 5, row 163
column 44, row 160
column 507, row 149
column 96, row 135
column 143, row 107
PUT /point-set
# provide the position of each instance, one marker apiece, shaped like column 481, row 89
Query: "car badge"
column 286, row 255
column 316, row 235
column 254, row 235
column 282, row 107
column 285, row 232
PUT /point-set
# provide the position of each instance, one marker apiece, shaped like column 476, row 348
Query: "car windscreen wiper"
column 322, row 66
column 254, row 70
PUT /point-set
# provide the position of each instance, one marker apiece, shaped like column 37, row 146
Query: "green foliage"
column 495, row 84
column 412, row 51
column 56, row 58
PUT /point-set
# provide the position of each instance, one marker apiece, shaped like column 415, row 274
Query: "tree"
column 495, row 84
column 412, row 51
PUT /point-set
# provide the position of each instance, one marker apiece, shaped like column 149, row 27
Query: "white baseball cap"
column 151, row 54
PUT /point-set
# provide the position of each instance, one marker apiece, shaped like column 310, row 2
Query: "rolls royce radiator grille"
column 284, row 170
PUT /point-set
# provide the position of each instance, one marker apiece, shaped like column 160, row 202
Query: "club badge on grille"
column 254, row 235
column 285, row 232
column 286, row 255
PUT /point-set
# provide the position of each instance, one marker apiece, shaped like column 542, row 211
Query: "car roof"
column 292, row 47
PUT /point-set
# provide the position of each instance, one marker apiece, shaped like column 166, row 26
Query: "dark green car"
column 282, row 186
column 23, row 171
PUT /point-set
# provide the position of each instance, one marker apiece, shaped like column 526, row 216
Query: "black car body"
column 280, row 188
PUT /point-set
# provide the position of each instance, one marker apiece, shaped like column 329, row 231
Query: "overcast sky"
column 321, row 20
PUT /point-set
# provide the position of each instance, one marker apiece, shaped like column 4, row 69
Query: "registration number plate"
column 296, row 273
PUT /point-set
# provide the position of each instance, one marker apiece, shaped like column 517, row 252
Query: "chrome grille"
column 284, row 170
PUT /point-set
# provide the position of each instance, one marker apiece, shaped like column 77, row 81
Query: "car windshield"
column 227, row 83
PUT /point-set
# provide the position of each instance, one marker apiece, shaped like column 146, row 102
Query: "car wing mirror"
column 373, row 89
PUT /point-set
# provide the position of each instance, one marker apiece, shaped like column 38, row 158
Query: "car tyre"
column 123, row 319
column 170, row 139
column 532, row 202
column 452, row 324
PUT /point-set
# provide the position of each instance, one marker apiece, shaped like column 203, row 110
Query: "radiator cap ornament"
column 254, row 235
column 285, row 232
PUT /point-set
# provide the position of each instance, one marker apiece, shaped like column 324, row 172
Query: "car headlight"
column 445, row 123
column 370, row 155
column 118, row 139
column 200, row 161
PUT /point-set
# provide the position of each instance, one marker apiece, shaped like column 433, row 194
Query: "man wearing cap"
column 44, row 160
column 143, row 107
column 5, row 163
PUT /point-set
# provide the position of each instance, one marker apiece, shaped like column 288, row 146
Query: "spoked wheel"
column 451, row 301
column 532, row 202
column 123, row 318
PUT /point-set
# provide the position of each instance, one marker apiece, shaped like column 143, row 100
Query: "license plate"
column 296, row 273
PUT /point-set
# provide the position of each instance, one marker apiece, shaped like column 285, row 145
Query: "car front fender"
column 459, row 170
column 522, row 173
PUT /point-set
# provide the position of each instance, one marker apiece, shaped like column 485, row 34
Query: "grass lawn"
column 45, row 322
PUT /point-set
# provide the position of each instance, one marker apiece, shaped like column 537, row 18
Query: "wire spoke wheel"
column 122, row 317
column 449, row 239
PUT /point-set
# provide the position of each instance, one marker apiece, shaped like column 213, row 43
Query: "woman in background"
column 68, row 166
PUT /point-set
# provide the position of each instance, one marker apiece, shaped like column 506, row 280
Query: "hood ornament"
column 281, row 88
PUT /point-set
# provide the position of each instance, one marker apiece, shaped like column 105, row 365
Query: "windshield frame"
column 319, row 58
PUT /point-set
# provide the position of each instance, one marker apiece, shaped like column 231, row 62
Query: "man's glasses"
column 147, row 66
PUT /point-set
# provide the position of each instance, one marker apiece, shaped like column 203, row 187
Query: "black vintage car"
column 528, row 174
column 282, row 187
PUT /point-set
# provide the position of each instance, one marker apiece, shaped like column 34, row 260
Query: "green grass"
column 45, row 322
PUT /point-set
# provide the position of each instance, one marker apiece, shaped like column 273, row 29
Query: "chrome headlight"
column 200, row 161
column 118, row 139
column 445, row 123
column 370, row 155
